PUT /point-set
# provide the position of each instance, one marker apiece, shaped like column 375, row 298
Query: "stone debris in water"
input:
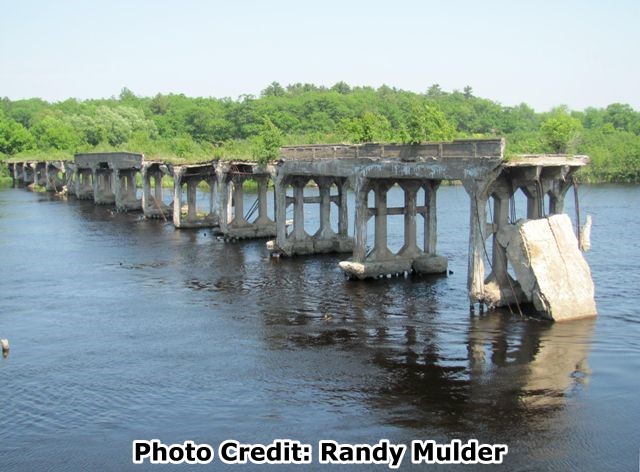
column 551, row 270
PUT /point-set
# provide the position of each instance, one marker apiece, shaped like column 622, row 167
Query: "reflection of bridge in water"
column 369, row 170
column 475, row 374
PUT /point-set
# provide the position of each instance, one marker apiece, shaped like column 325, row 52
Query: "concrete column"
column 499, row 255
column 177, row 196
column 298, row 209
column 191, row 200
column 157, row 181
column 431, row 218
column 280, row 192
column 119, row 181
column 238, row 202
column 131, row 186
column 325, row 231
column 410, row 247
column 361, row 218
column 146, row 188
column 213, row 197
column 533, row 202
column 223, row 199
column 477, row 224
column 263, row 215
column 343, row 215
column 380, row 249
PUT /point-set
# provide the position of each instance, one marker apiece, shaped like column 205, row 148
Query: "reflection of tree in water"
column 505, row 371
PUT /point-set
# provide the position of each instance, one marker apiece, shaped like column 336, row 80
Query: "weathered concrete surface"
column 550, row 268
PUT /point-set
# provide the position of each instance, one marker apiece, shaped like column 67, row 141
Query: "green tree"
column 428, row 123
column 274, row 89
column 560, row 131
column 269, row 141
column 370, row 127
column 54, row 133
column 435, row 91
column 14, row 137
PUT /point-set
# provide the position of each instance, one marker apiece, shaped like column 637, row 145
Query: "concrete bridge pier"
column 28, row 173
column 69, row 173
column 380, row 260
column 54, row 175
column 125, row 189
column 16, row 169
column 103, row 187
column 544, row 182
column 235, row 220
column 190, row 176
column 294, row 239
column 153, row 205
column 83, row 183
column 39, row 173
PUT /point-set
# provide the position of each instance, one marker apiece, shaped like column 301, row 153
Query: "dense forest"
column 175, row 126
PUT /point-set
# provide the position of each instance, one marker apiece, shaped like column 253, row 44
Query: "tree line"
column 177, row 126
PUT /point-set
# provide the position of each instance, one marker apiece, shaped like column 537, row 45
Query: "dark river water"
column 125, row 329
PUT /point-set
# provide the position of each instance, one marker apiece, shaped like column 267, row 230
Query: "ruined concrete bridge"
column 368, row 170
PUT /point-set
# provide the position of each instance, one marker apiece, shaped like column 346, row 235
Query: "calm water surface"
column 126, row 329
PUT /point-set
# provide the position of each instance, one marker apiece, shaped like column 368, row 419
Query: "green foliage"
column 370, row 127
column 181, row 128
column 54, row 133
column 14, row 137
column 428, row 123
column 269, row 142
column 560, row 131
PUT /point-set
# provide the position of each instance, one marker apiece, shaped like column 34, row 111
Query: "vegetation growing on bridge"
column 178, row 127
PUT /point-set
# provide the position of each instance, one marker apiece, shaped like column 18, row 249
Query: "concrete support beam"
column 299, row 242
column 103, row 186
column 380, row 261
column 125, row 190
column 191, row 176
column 54, row 176
column 84, row 183
column 239, row 222
column 152, row 203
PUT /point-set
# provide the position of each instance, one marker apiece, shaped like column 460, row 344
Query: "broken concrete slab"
column 550, row 268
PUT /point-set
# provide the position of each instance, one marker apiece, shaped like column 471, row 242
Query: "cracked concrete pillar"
column 298, row 209
column 213, row 195
column 263, row 215
column 191, row 200
column 361, row 189
column 324, row 186
column 431, row 218
column 157, row 191
column 177, row 196
column 499, row 255
column 478, row 222
column 119, row 182
column 146, row 188
column 410, row 246
column 238, row 202
column 222, row 174
column 380, row 248
column 343, row 211
column 280, row 189
column 533, row 202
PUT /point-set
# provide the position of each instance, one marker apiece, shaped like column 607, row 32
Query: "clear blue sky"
column 545, row 53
